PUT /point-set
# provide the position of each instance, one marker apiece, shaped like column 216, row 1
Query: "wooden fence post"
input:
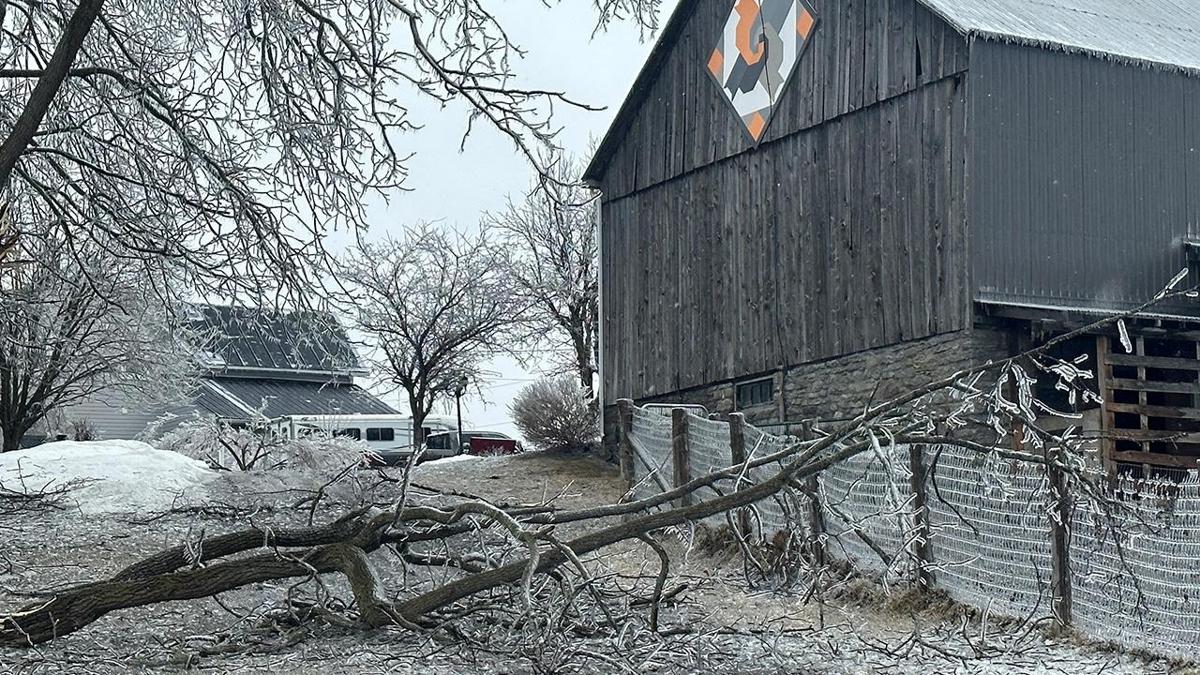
column 921, row 548
column 624, row 444
column 816, row 516
column 737, row 455
column 1060, row 540
column 680, row 456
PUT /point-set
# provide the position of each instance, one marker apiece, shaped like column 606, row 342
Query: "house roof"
column 214, row 400
column 1162, row 34
column 247, row 338
column 247, row 398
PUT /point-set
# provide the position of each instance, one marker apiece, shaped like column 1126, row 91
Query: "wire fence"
column 1134, row 571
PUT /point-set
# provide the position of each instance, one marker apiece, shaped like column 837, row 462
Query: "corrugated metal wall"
column 1085, row 177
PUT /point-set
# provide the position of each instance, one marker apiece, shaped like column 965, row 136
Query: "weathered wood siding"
column 846, row 237
column 1085, row 177
column 844, row 231
column 863, row 52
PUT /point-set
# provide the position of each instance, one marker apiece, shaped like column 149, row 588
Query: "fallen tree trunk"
column 71, row 610
column 342, row 547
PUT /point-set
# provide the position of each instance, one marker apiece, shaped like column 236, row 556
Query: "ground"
column 723, row 624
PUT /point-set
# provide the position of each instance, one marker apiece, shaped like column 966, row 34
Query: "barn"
column 807, row 203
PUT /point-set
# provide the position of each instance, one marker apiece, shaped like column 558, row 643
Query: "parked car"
column 474, row 443
column 436, row 447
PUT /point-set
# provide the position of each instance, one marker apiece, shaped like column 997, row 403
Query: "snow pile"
column 112, row 476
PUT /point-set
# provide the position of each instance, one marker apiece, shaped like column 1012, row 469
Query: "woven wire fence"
column 1135, row 577
column 990, row 531
column 786, row 512
column 868, row 520
column 709, row 450
column 1137, row 583
column 653, row 468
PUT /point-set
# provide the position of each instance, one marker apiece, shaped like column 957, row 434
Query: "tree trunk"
column 417, row 409
column 583, row 366
column 13, row 433
column 47, row 86
column 145, row 584
column 71, row 610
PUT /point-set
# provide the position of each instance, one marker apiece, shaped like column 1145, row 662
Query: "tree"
column 436, row 305
column 552, row 235
column 229, row 138
column 69, row 330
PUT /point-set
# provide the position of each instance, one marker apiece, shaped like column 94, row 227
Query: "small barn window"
column 384, row 434
column 758, row 392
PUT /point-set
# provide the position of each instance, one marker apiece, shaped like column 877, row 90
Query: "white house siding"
column 112, row 414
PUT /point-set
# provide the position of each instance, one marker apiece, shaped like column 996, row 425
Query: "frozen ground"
column 723, row 625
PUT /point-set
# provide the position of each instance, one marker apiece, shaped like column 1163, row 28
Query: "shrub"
column 225, row 447
column 83, row 430
column 556, row 414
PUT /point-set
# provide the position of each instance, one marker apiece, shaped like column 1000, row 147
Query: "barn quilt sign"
column 758, row 50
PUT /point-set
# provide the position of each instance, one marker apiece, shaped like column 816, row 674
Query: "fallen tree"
column 502, row 556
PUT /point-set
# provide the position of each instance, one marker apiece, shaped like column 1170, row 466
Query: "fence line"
column 991, row 530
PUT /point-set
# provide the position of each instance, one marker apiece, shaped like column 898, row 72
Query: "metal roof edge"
column 1093, row 311
column 1077, row 50
column 281, row 373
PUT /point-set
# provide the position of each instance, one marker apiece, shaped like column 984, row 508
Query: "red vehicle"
column 477, row 443
column 488, row 444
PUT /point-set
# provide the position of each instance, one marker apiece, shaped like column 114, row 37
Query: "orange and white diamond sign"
column 759, row 48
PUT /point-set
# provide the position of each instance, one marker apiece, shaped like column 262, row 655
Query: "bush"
column 83, row 430
column 557, row 414
column 224, row 447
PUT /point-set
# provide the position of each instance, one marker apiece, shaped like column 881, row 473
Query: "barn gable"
column 675, row 121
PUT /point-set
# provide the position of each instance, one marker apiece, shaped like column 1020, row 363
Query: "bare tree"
column 552, row 234
column 69, row 330
column 436, row 305
column 229, row 138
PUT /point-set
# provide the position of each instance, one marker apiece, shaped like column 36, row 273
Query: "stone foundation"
column 839, row 388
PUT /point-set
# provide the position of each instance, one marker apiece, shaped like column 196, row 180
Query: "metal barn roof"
column 1164, row 33
column 259, row 339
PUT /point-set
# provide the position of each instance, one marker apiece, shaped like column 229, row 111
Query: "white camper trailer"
column 388, row 436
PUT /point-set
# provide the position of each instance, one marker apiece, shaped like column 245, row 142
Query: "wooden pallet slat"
column 1147, row 430
column 1159, row 362
column 1145, row 436
column 1170, row 412
column 1151, row 385
column 1157, row 459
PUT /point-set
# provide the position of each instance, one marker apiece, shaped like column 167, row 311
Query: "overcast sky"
column 455, row 187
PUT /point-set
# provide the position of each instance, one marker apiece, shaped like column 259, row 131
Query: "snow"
column 110, row 476
column 456, row 458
